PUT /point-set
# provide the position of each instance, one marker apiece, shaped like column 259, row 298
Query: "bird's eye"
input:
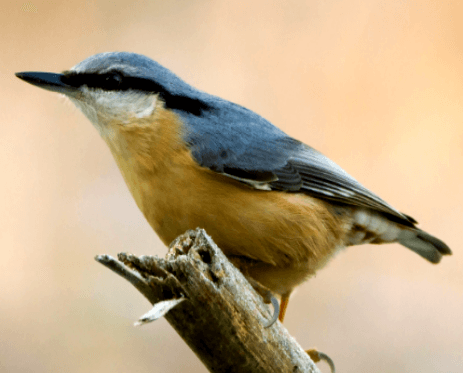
column 112, row 80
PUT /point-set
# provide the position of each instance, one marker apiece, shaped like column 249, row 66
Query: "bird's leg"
column 279, row 314
column 315, row 355
column 244, row 264
column 268, row 297
column 283, row 305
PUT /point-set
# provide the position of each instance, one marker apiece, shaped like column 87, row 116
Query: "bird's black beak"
column 50, row 81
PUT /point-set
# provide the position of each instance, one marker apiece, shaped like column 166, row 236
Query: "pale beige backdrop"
column 374, row 84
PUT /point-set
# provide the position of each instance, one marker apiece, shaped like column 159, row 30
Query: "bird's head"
column 115, row 88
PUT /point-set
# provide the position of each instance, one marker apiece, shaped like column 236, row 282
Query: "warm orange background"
column 375, row 85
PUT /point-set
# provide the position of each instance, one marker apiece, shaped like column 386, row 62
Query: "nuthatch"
column 277, row 208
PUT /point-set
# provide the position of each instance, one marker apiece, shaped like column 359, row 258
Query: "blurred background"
column 374, row 84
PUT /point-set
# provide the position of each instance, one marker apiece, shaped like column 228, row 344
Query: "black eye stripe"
column 109, row 81
column 117, row 81
column 115, row 77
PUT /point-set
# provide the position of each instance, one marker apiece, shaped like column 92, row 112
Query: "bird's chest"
column 165, row 195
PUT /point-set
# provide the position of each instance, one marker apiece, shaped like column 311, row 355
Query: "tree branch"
column 221, row 317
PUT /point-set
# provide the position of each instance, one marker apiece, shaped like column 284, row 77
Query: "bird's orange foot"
column 317, row 356
column 279, row 313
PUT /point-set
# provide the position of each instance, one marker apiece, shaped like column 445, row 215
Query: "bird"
column 278, row 208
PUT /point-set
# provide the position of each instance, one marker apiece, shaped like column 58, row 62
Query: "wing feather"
column 236, row 142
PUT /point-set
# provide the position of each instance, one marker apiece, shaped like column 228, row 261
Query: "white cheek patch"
column 124, row 104
column 151, row 105
column 102, row 107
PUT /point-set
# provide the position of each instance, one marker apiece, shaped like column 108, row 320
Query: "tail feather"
column 422, row 243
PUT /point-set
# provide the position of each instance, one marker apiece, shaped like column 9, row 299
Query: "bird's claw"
column 268, row 297
column 317, row 356
column 276, row 312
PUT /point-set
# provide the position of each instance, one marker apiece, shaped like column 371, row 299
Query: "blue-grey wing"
column 236, row 142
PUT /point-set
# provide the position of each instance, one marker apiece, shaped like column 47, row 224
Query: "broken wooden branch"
column 212, row 307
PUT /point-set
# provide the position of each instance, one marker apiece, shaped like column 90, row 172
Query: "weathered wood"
column 222, row 316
